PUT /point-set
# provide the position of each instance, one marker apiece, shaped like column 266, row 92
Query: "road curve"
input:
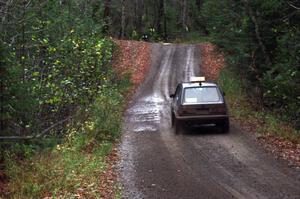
column 199, row 163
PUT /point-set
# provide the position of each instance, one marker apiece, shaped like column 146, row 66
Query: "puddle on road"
column 149, row 113
column 145, row 115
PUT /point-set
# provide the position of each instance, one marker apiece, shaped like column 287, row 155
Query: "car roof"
column 197, row 84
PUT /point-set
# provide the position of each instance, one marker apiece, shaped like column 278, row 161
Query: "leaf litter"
column 212, row 63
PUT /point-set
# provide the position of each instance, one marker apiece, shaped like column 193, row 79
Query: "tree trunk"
column 257, row 33
column 259, row 88
column 22, row 54
column 139, row 11
column 161, row 16
column 123, row 20
column 165, row 21
column 184, row 14
column 106, row 15
column 199, row 4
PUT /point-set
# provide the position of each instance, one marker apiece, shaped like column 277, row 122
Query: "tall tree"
column 106, row 15
column 123, row 16
column 199, row 3
column 184, row 7
column 139, row 12
column 161, row 19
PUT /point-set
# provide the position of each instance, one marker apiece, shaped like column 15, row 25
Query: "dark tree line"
column 260, row 39
column 261, row 42
column 48, row 60
column 158, row 19
column 53, row 58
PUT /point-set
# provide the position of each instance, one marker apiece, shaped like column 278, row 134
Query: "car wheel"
column 172, row 119
column 225, row 126
column 177, row 126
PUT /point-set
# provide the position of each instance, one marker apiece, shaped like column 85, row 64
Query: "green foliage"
column 107, row 112
column 77, row 162
column 160, row 20
column 57, row 82
column 260, row 40
column 60, row 173
column 262, row 121
column 230, row 85
column 53, row 63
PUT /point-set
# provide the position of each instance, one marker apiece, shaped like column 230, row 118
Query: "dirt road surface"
column 199, row 162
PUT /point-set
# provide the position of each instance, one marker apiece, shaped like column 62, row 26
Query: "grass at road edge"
column 242, row 109
column 278, row 136
column 81, row 164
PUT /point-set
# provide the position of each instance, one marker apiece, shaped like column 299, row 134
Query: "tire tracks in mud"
column 201, row 163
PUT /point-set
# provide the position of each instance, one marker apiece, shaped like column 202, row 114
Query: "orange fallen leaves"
column 133, row 57
column 212, row 61
column 212, row 64
column 108, row 178
column 282, row 148
column 3, row 182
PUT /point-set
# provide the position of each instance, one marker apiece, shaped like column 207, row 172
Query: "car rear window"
column 201, row 94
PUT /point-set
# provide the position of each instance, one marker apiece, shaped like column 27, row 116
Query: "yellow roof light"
column 197, row 79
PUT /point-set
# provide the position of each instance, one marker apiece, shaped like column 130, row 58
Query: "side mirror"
column 172, row 95
column 223, row 93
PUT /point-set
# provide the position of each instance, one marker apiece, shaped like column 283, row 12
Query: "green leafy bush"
column 77, row 161
column 57, row 86
column 260, row 41
column 54, row 63
column 259, row 120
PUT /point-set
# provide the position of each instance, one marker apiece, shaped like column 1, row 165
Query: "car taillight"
column 220, row 110
column 180, row 111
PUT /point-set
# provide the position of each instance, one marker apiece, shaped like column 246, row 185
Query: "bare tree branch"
column 38, row 135
column 293, row 6
column 257, row 32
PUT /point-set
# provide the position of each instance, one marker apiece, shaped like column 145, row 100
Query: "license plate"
column 202, row 112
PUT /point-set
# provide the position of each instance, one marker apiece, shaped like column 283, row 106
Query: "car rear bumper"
column 203, row 118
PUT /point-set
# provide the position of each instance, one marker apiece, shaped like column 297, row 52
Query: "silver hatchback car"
column 199, row 102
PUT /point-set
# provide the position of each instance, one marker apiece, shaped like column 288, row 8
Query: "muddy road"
column 199, row 162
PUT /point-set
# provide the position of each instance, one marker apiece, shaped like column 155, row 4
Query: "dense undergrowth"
column 61, row 100
column 260, row 41
column 58, row 87
column 258, row 118
column 72, row 165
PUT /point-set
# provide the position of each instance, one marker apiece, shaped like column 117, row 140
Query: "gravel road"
column 199, row 162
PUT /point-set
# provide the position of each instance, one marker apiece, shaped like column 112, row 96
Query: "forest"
column 55, row 60
column 42, row 43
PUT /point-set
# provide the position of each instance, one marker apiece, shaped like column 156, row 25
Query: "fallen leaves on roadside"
column 282, row 148
column 212, row 61
column 3, row 182
column 212, row 64
column 133, row 57
column 108, row 178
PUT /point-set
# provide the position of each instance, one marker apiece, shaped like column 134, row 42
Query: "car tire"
column 176, row 126
column 172, row 119
column 225, row 126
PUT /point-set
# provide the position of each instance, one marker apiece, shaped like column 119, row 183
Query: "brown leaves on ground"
column 133, row 57
column 282, row 148
column 108, row 177
column 212, row 64
column 3, row 181
column 212, row 61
